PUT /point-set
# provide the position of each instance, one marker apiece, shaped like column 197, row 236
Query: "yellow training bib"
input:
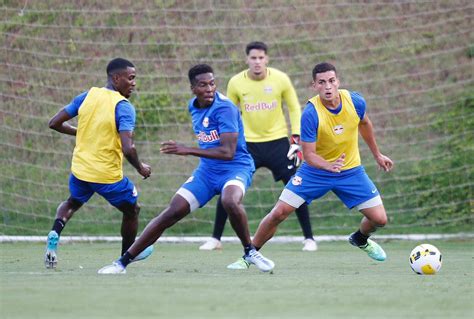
column 98, row 156
column 338, row 133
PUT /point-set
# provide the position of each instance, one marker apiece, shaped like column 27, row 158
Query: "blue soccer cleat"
column 50, row 257
column 144, row 254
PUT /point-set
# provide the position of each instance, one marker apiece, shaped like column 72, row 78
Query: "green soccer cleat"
column 241, row 263
column 374, row 250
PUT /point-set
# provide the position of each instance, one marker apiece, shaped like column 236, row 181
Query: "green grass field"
column 178, row 281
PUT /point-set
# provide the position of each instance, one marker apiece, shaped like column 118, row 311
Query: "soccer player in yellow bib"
column 104, row 134
column 331, row 123
column 259, row 92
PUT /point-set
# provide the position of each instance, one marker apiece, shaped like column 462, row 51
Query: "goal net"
column 411, row 60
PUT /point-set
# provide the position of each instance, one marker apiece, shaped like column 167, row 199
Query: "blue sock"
column 126, row 259
column 248, row 248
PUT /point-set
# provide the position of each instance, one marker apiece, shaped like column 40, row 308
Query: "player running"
column 104, row 134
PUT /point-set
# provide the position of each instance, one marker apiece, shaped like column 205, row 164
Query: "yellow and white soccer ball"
column 425, row 259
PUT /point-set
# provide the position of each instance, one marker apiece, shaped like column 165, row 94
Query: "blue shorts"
column 204, row 184
column 353, row 187
column 115, row 194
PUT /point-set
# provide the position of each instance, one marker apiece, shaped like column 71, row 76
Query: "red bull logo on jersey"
column 297, row 180
column 260, row 106
column 212, row 137
column 338, row 129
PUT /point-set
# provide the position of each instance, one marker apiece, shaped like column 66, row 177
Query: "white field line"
column 231, row 239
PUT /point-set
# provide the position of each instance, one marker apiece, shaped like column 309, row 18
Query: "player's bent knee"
column 380, row 221
column 230, row 205
column 132, row 213
column 374, row 211
column 129, row 210
column 279, row 215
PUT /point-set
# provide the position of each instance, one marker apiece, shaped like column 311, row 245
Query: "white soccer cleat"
column 115, row 268
column 50, row 259
column 262, row 263
column 309, row 245
column 211, row 244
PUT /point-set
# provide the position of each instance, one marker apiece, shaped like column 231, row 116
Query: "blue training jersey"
column 210, row 122
column 124, row 112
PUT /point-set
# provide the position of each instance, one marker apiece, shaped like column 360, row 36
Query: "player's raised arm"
column 59, row 123
column 366, row 130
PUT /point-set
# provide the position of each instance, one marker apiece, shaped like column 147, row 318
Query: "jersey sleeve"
column 232, row 93
column 359, row 104
column 294, row 107
column 125, row 116
column 227, row 118
column 309, row 124
column 72, row 109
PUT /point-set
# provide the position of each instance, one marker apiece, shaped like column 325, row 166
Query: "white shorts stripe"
column 376, row 201
column 236, row 183
column 189, row 197
column 291, row 198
